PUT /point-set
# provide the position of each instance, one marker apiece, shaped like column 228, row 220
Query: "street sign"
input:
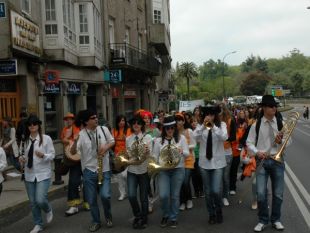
column 8, row 67
column 113, row 76
column 2, row 10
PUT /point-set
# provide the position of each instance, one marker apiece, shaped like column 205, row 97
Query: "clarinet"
column 23, row 154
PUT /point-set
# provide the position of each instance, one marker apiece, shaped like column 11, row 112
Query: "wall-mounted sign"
column 74, row 88
column 52, row 76
column 25, row 35
column 52, row 88
column 113, row 76
column 130, row 93
column 2, row 10
column 8, row 67
column 115, row 92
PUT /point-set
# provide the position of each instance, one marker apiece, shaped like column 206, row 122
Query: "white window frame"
column 50, row 23
column 23, row 5
column 157, row 16
column 69, row 21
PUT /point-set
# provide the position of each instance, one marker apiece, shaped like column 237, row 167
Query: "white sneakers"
column 225, row 202
column 49, row 217
column 189, row 204
column 232, row 192
column 36, row 229
column 182, row 206
column 254, row 205
column 71, row 211
column 122, row 197
column 259, row 227
column 278, row 226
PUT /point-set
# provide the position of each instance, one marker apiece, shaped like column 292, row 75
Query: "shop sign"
column 74, row 88
column 130, row 94
column 52, row 88
column 25, row 35
column 113, row 76
column 8, row 67
column 2, row 10
column 115, row 92
column 52, row 76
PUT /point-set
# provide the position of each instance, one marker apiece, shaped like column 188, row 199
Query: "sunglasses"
column 136, row 123
column 169, row 127
column 93, row 118
column 33, row 123
column 271, row 105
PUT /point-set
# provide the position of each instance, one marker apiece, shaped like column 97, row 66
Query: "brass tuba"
column 136, row 155
column 169, row 158
column 287, row 131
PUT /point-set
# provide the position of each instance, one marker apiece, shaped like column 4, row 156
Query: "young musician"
column 37, row 160
column 137, row 174
column 264, row 145
column 211, row 135
column 93, row 144
column 170, row 180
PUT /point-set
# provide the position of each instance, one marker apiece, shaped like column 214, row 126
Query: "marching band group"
column 163, row 154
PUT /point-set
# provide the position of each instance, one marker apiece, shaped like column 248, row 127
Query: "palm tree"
column 188, row 70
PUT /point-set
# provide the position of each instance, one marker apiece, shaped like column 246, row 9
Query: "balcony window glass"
column 26, row 6
column 50, row 11
column 68, row 18
column 157, row 16
column 51, row 29
column 84, row 39
column 83, row 18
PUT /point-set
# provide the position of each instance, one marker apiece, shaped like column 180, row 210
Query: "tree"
column 253, row 64
column 187, row 70
column 255, row 83
column 297, row 81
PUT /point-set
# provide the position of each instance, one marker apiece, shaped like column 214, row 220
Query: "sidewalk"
column 14, row 201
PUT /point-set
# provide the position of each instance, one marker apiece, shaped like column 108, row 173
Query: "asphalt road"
column 238, row 218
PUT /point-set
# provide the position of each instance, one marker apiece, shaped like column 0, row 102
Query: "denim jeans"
column 212, row 181
column 37, row 194
column 170, row 183
column 186, row 192
column 133, row 181
column 75, row 175
column 275, row 171
column 226, row 176
column 90, row 180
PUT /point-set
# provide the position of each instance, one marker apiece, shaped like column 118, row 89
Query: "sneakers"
column 150, row 207
column 86, row 206
column 259, row 227
column 109, row 223
column 135, row 224
column 278, row 226
column 164, row 222
column 232, row 192
column 36, row 229
column 94, row 227
column 122, row 197
column 72, row 211
column 189, row 204
column 254, row 205
column 225, row 202
column 173, row 224
column 49, row 217
column 182, row 207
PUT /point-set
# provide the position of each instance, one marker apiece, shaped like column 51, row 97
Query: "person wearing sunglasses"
column 212, row 134
column 93, row 143
column 37, row 156
column 170, row 180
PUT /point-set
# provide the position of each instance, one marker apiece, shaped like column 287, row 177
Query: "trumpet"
column 208, row 125
column 100, row 163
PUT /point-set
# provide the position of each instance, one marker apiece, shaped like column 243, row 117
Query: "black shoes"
column 212, row 219
column 139, row 223
column 164, row 222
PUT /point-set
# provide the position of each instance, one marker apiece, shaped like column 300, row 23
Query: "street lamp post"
column 223, row 68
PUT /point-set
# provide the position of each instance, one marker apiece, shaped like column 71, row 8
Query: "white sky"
column 209, row 29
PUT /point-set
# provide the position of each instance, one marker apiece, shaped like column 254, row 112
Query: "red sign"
column 52, row 76
column 115, row 92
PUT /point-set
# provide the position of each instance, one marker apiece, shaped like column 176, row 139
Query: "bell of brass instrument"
column 136, row 155
column 208, row 125
column 100, row 164
column 287, row 131
column 169, row 158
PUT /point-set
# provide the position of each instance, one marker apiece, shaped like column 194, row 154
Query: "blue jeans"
column 275, row 171
column 133, row 181
column 226, row 176
column 37, row 194
column 90, row 180
column 212, row 180
column 186, row 192
column 170, row 183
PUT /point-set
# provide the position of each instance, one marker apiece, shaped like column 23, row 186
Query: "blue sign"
column 74, row 88
column 2, row 10
column 113, row 76
column 8, row 67
column 53, row 88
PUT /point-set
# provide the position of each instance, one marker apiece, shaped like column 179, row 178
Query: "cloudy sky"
column 209, row 29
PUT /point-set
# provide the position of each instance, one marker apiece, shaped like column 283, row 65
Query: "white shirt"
column 181, row 144
column 264, row 142
column 219, row 135
column 42, row 167
column 88, row 154
column 147, row 139
column 3, row 163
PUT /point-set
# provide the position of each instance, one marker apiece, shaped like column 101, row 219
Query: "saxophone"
column 99, row 163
